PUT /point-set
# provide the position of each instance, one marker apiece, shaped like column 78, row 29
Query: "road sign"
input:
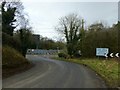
column 102, row 52
column 117, row 55
column 106, row 55
column 111, row 55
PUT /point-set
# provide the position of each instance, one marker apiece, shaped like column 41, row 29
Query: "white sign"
column 111, row 55
column 102, row 51
column 117, row 54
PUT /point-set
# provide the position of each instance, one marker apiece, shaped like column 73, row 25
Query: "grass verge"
column 13, row 62
column 107, row 69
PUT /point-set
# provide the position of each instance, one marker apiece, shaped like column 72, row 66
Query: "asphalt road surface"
column 48, row 73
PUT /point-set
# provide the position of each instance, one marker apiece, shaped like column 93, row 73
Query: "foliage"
column 71, row 26
column 11, row 41
column 8, row 18
column 96, row 36
column 11, row 57
column 26, row 39
column 46, row 43
column 12, row 16
column 63, row 55
column 13, row 62
column 0, row 22
column 104, row 38
column 96, row 27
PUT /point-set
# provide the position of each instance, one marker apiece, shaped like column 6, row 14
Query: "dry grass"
column 13, row 62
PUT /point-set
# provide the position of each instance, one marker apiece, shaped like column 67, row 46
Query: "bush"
column 63, row 55
column 10, row 41
column 77, row 54
column 12, row 58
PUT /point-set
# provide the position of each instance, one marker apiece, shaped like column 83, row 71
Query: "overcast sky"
column 44, row 16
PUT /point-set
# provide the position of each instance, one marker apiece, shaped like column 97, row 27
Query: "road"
column 48, row 73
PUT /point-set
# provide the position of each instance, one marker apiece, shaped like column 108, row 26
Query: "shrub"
column 77, row 54
column 10, row 41
column 63, row 55
column 12, row 58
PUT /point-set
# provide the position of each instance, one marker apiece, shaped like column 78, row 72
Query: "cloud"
column 45, row 15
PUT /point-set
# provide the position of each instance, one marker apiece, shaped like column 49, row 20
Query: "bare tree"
column 71, row 26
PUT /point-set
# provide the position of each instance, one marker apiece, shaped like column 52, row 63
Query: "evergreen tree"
column 8, row 18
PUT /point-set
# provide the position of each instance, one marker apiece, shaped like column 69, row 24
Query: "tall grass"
column 11, row 57
column 13, row 62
